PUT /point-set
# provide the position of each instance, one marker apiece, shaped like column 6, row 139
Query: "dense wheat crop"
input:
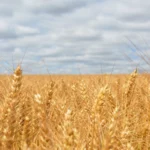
column 90, row 112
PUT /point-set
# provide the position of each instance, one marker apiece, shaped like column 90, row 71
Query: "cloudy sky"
column 74, row 36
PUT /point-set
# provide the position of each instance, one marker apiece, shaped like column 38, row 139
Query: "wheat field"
column 74, row 112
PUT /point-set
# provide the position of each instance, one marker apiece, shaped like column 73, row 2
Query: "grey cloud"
column 7, row 35
column 7, row 7
column 55, row 6
column 137, row 17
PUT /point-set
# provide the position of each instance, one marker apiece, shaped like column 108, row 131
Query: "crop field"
column 74, row 112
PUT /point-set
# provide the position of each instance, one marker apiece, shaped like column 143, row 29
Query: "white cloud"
column 3, row 25
column 23, row 30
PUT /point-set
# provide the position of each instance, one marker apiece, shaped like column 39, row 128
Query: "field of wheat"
column 74, row 112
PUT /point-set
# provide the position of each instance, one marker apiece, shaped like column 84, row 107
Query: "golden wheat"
column 102, row 115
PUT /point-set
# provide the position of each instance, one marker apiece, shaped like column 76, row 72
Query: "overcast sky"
column 74, row 36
